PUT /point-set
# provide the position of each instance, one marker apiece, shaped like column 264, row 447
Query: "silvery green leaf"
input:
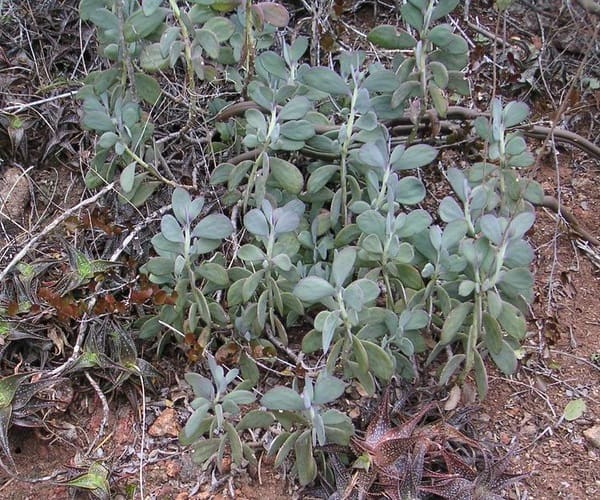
column 380, row 362
column 271, row 63
column 439, row 73
column 298, row 48
column 438, row 98
column 204, row 245
column 181, row 202
column 297, row 130
column 367, row 121
column 517, row 281
column 459, row 83
column 443, row 8
column 251, row 253
column 343, row 264
column 493, row 334
column 272, row 13
column 525, row 159
column 451, row 367
column 515, row 145
column 372, row 222
column 214, row 273
column 435, row 237
column 200, row 385
column 520, row 224
column 286, row 222
column 369, row 288
column 208, row 41
column 108, row 140
column 327, row 388
column 326, row 80
column 490, row 227
column 494, row 303
column 412, row 15
column 159, row 266
column 382, row 80
column 402, row 253
column 256, row 119
column 466, row 288
column 127, row 177
column 413, row 319
column 518, row 254
column 453, row 233
column 390, row 37
column 190, row 433
column 255, row 419
column 450, row 210
column 458, row 181
column 287, row 175
column 221, row 27
column 533, row 192
column 305, row 461
column 410, row 191
column 256, row 223
column 213, row 226
column 282, row 398
column 295, row 109
column 514, row 113
column 512, row 321
column 505, row 359
column 313, row 289
column 372, row 155
column 323, row 143
column 414, row 222
column 410, row 88
column 354, row 298
column 372, row 244
column 283, row 262
column 363, row 103
column 482, row 127
column 240, row 397
column 261, row 94
column 320, row 177
column 171, row 229
column 251, row 284
column 454, row 322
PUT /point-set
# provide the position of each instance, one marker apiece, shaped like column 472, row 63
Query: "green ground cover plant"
column 323, row 230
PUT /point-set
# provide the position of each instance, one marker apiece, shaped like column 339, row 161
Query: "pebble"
column 593, row 435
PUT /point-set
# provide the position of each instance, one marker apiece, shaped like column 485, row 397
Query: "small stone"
column 165, row 424
column 593, row 435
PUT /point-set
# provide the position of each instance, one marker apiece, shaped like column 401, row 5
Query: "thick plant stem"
column 344, row 158
column 189, row 67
